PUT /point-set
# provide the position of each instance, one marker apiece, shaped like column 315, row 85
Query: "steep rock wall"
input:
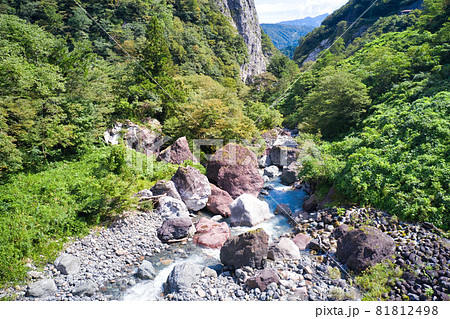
column 243, row 16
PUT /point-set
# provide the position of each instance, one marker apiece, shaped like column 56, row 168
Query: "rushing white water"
column 150, row 290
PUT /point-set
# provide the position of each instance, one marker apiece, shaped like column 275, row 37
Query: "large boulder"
column 284, row 249
column 264, row 161
column 219, row 202
column 285, row 140
column 310, row 204
column 247, row 249
column 364, row 247
column 177, row 153
column 301, row 240
column 68, row 264
column 262, row 279
column 176, row 229
column 42, row 288
column 247, row 210
column 329, row 199
column 342, row 230
column 284, row 210
column 170, row 208
column 211, row 234
column 234, row 168
column 271, row 171
column 165, row 188
column 289, row 175
column 139, row 138
column 193, row 187
column 283, row 155
column 182, row 277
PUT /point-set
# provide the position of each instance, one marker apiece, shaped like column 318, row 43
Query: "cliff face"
column 242, row 15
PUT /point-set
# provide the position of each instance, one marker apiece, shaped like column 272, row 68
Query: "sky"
column 273, row 11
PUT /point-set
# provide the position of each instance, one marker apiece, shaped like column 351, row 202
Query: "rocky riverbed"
column 209, row 242
column 109, row 259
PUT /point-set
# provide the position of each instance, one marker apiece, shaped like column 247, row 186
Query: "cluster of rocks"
column 283, row 279
column 360, row 237
column 107, row 262
column 280, row 157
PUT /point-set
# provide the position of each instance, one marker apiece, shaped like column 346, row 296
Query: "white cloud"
column 282, row 10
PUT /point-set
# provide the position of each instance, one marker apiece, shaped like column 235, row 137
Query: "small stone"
column 201, row 293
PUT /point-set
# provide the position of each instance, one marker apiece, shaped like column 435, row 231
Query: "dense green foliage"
column 382, row 103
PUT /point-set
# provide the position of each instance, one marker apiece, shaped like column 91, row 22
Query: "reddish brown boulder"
column 234, row 168
column 262, row 279
column 177, row 153
column 302, row 240
column 210, row 233
column 219, row 202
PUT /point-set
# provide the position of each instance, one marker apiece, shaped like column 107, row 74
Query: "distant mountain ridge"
column 286, row 34
column 309, row 21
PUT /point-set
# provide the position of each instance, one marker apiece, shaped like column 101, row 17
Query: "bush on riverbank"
column 38, row 212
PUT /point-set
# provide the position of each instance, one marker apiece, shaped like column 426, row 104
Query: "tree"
column 155, row 75
column 337, row 103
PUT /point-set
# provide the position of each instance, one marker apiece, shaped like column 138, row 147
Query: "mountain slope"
column 335, row 25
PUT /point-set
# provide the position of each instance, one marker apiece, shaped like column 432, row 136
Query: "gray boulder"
column 310, row 204
column 264, row 161
column 88, row 288
column 289, row 175
column 170, row 208
column 247, row 210
column 271, row 171
column 283, row 155
column 285, row 140
column 175, row 229
column 193, row 187
column 364, row 247
column 247, row 249
column 165, row 188
column 284, row 210
column 68, row 264
column 146, row 270
column 182, row 277
column 42, row 288
column 284, row 249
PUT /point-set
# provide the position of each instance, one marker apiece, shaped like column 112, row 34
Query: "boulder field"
column 194, row 211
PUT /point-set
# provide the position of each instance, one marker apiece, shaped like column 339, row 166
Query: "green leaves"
column 401, row 161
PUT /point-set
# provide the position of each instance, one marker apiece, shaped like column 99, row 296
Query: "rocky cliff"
column 242, row 15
